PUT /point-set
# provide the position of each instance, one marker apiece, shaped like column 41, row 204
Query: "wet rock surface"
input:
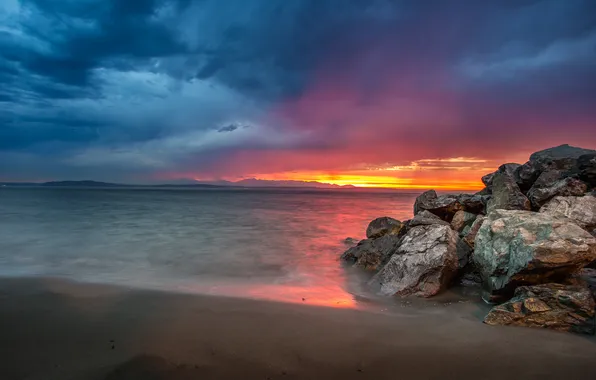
column 383, row 226
column 423, row 265
column 552, row 306
column 370, row 254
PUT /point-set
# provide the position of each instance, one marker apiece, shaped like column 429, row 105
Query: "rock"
column 470, row 236
column 473, row 203
column 553, row 306
column 426, row 218
column 370, row 254
column 425, row 201
column 582, row 210
column 508, row 169
column 506, row 195
column 515, row 248
column 464, row 252
column 350, row 242
column 445, row 206
column 424, row 264
column 462, row 219
column 586, row 165
column 383, row 226
column 563, row 157
column 553, row 183
column 483, row 192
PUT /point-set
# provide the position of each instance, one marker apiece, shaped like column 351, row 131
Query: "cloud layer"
column 158, row 89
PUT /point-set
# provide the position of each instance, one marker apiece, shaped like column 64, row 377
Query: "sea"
column 272, row 244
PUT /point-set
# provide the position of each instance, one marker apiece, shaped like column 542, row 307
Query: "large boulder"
column 445, row 206
column 514, row 248
column 582, row 210
column 586, row 165
column 371, row 254
column 508, row 169
column 506, row 194
column 383, row 226
column 563, row 157
column 424, row 264
column 554, row 183
column 553, row 306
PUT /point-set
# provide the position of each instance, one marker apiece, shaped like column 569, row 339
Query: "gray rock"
column 426, row 218
column 552, row 306
column 553, row 183
column 445, row 206
column 508, row 169
column 424, row 264
column 586, row 165
column 582, row 210
column 470, row 236
column 515, row 248
column 350, row 242
column 371, row 254
column 464, row 253
column 473, row 203
column 461, row 220
column 506, row 195
column 563, row 157
column 383, row 226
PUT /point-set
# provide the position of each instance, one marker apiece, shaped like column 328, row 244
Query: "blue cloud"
column 87, row 79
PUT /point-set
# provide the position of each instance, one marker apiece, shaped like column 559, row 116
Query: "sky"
column 388, row 93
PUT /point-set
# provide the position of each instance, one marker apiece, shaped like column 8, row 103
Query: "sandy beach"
column 55, row 329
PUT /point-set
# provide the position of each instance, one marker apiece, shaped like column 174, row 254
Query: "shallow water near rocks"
column 276, row 244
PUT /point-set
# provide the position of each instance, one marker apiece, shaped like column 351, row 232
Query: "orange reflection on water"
column 308, row 295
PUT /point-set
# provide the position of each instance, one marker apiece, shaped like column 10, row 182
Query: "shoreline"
column 57, row 329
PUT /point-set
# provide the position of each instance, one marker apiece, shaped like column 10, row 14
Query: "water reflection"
column 280, row 245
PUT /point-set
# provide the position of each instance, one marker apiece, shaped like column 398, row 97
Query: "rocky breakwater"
column 525, row 238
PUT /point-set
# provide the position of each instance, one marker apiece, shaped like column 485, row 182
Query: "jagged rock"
column 484, row 192
column 515, row 248
column 506, row 195
column 586, row 165
column 426, row 218
column 383, row 226
column 462, row 219
column 445, row 206
column 464, row 252
column 370, row 254
column 508, row 169
column 470, row 236
column 552, row 306
column 424, row 264
column 552, row 183
column 473, row 203
column 563, row 157
column 350, row 242
column 582, row 210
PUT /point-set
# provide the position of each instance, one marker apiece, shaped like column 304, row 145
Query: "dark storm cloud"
column 123, row 87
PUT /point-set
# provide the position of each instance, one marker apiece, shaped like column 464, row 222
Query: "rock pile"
column 526, row 236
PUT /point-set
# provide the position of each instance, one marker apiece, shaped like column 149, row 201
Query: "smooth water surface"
column 274, row 244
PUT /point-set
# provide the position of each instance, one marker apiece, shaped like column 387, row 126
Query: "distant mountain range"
column 245, row 183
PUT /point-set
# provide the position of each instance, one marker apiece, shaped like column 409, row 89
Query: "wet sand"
column 54, row 329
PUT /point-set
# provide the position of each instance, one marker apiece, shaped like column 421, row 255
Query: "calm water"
column 272, row 244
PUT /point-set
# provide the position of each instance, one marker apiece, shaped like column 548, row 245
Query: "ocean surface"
column 279, row 244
